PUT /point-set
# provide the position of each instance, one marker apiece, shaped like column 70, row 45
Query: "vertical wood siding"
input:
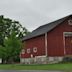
column 38, row 42
column 56, row 41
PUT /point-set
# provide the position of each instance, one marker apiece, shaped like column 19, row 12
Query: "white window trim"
column 67, row 34
column 28, row 50
column 35, row 49
column 70, row 21
column 23, row 51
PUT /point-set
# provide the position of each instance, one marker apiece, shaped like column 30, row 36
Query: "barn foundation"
column 41, row 60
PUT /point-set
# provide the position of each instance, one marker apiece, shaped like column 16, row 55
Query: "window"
column 23, row 51
column 67, row 34
column 28, row 50
column 70, row 22
column 35, row 49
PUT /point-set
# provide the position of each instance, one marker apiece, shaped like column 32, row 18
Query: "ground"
column 59, row 67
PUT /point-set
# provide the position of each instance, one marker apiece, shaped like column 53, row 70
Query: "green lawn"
column 36, row 67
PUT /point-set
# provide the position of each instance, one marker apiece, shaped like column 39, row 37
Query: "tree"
column 7, row 26
column 12, row 49
column 11, row 32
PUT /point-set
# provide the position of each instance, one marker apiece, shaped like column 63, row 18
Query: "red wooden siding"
column 56, row 41
column 38, row 42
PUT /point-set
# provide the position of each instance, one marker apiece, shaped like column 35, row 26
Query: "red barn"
column 48, row 43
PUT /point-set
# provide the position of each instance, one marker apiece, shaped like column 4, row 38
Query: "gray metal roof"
column 44, row 28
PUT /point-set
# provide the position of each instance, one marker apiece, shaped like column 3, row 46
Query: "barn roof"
column 45, row 28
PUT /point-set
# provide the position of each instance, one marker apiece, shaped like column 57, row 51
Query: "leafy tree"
column 7, row 26
column 12, row 49
column 11, row 32
column 3, row 54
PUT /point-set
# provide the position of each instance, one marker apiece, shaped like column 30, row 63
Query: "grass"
column 66, row 67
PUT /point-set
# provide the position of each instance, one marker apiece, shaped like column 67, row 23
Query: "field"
column 65, row 67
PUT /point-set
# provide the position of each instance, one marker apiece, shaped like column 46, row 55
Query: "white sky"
column 34, row 13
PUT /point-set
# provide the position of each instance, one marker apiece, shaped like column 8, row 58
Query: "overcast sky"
column 34, row 13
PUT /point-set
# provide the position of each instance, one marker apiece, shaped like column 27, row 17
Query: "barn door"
column 68, row 45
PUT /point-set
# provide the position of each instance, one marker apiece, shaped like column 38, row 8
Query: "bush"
column 67, row 59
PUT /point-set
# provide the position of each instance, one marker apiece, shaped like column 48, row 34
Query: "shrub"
column 67, row 59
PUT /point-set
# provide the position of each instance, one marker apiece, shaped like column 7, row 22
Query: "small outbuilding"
column 48, row 43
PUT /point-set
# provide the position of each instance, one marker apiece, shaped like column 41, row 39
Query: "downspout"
column 64, row 43
column 46, row 53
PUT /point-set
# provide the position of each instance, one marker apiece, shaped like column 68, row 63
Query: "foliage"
column 7, row 26
column 11, row 50
column 11, row 32
column 66, row 60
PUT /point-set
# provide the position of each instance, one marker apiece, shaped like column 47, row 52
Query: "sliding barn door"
column 68, row 45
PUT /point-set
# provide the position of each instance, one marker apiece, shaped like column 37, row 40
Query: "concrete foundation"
column 41, row 60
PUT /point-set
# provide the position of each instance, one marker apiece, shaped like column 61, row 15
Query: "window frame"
column 23, row 51
column 70, row 21
column 35, row 49
column 28, row 50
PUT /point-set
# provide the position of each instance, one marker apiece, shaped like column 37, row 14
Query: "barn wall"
column 38, row 42
column 56, row 41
